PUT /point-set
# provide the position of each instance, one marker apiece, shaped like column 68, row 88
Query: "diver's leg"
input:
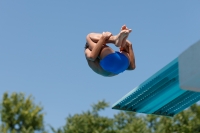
column 93, row 54
column 116, row 40
column 96, row 36
column 90, row 38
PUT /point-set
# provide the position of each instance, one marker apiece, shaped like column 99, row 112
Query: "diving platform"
column 169, row 91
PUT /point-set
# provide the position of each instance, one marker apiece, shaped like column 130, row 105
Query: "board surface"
column 160, row 94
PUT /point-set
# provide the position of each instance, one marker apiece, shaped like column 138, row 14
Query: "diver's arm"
column 131, row 57
column 93, row 54
column 129, row 49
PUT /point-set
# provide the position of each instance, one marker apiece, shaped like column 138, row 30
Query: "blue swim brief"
column 115, row 63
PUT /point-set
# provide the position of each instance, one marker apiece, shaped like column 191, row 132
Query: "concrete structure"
column 189, row 68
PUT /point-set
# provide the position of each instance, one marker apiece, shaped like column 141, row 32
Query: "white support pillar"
column 189, row 68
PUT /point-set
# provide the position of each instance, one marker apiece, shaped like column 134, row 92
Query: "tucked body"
column 104, row 60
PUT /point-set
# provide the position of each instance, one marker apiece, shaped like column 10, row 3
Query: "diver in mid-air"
column 104, row 60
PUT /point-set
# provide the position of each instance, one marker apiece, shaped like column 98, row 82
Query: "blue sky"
column 42, row 48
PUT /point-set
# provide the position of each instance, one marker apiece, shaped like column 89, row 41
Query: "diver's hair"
column 86, row 45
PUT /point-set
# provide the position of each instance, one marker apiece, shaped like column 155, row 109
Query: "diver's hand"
column 125, row 48
column 106, row 35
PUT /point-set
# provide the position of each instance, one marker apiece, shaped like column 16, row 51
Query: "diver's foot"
column 120, row 37
column 124, row 27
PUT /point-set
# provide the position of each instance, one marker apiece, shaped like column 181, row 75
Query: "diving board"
column 169, row 91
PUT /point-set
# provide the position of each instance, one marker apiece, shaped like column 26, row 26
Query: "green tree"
column 159, row 124
column 187, row 121
column 129, row 122
column 88, row 122
column 92, row 122
column 20, row 114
